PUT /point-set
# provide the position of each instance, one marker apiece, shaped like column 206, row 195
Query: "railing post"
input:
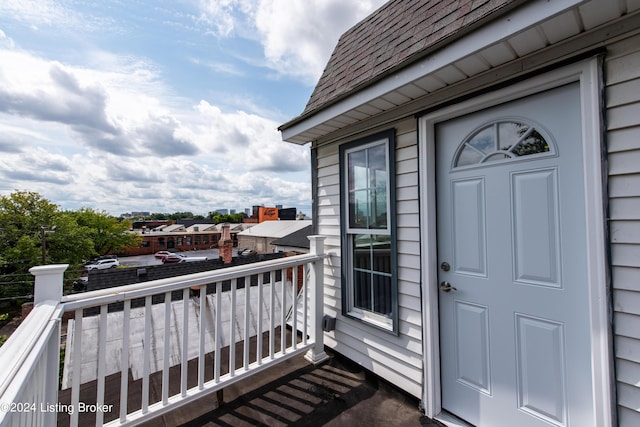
column 316, row 354
column 48, row 282
column 48, row 286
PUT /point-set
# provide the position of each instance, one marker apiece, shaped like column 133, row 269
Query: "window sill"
column 372, row 319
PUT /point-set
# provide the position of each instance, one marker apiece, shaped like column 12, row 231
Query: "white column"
column 48, row 283
column 316, row 354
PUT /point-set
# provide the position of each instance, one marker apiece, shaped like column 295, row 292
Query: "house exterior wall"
column 261, row 245
column 397, row 359
column 623, row 135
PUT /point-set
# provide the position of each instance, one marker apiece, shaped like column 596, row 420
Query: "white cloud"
column 222, row 16
column 5, row 41
column 35, row 12
column 116, row 139
column 38, row 14
column 297, row 36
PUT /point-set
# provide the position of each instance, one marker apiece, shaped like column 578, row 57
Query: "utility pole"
column 43, row 239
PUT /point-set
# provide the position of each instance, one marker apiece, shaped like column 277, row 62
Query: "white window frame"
column 387, row 323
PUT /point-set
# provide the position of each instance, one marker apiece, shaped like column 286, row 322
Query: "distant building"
column 181, row 237
column 150, row 224
column 135, row 214
column 260, row 237
column 260, row 214
column 297, row 242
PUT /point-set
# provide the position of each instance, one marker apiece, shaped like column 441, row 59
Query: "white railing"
column 135, row 352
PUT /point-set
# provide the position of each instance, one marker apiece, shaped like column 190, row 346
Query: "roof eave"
column 494, row 27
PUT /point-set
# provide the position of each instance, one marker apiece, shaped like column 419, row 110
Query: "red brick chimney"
column 226, row 245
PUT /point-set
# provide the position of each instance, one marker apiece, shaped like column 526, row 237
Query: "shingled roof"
column 394, row 36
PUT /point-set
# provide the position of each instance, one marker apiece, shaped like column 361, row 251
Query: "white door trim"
column 588, row 74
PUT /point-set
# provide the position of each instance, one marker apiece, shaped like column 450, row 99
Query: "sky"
column 165, row 105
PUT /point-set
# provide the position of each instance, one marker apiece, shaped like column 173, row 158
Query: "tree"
column 219, row 218
column 185, row 215
column 158, row 216
column 24, row 219
column 32, row 227
column 22, row 216
column 108, row 234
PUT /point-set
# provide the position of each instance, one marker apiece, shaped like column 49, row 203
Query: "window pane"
column 358, row 170
column 367, row 187
column 362, row 252
column 381, row 254
column 534, row 143
column 510, row 134
column 362, row 290
column 372, row 273
column 359, row 209
column 468, row 156
column 382, row 294
column 484, row 141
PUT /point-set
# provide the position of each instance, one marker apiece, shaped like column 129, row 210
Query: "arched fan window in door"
column 503, row 140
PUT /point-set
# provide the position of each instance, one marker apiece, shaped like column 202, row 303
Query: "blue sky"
column 161, row 106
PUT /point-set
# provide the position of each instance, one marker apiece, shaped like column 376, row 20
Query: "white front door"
column 514, row 302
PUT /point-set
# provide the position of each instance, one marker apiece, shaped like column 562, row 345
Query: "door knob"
column 447, row 287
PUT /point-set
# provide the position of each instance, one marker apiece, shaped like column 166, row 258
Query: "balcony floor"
column 295, row 393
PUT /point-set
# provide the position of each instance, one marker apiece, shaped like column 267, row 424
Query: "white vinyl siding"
column 398, row 359
column 623, row 137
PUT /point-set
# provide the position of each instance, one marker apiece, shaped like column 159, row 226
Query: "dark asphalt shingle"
column 396, row 34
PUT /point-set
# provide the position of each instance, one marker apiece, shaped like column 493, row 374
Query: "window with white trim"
column 369, row 279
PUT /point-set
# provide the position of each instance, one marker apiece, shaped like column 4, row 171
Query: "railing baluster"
column 77, row 362
column 184, row 371
column 232, row 330
column 218, row 332
column 272, row 314
column 166, row 354
column 294, row 306
column 124, row 365
column 102, row 347
column 247, row 318
column 201, row 352
column 146, row 351
column 283, row 311
column 305, row 306
column 259, row 327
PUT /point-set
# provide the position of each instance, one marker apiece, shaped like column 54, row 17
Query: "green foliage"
column 22, row 216
column 219, row 218
column 108, row 234
column 183, row 215
column 27, row 222
column 158, row 216
column 3, row 318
